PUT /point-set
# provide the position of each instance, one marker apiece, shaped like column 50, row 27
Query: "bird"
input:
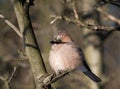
column 66, row 55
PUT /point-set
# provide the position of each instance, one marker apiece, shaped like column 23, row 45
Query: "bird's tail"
column 92, row 76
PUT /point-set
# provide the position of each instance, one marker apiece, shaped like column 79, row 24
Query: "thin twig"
column 11, row 25
column 76, row 14
column 54, row 79
column 75, row 11
column 10, row 78
column 90, row 26
column 93, row 27
column 109, row 16
column 55, row 18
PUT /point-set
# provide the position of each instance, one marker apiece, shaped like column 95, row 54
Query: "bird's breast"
column 64, row 57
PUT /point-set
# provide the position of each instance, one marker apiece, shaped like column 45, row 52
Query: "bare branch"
column 11, row 25
column 75, row 11
column 10, row 78
column 29, row 40
column 109, row 16
column 55, row 18
column 52, row 78
column 5, row 82
column 90, row 26
column 77, row 21
column 76, row 14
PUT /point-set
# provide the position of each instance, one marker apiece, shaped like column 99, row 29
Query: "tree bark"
column 29, row 40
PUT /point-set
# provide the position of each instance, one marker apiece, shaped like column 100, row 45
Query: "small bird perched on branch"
column 66, row 55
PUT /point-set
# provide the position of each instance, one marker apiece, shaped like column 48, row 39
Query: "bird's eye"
column 58, row 38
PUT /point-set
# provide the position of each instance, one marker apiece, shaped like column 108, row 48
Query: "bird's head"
column 62, row 36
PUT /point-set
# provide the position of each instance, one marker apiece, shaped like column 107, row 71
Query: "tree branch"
column 90, row 26
column 84, row 25
column 10, row 78
column 109, row 16
column 11, row 25
column 31, row 46
column 5, row 82
column 51, row 79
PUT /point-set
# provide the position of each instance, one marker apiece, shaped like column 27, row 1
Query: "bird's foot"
column 45, row 78
column 60, row 72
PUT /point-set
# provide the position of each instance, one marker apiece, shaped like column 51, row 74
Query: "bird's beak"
column 55, row 42
column 52, row 42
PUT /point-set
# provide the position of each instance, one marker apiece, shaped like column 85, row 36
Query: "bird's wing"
column 86, row 70
column 83, row 59
column 86, row 65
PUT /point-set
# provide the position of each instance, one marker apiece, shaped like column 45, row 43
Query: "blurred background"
column 101, row 48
